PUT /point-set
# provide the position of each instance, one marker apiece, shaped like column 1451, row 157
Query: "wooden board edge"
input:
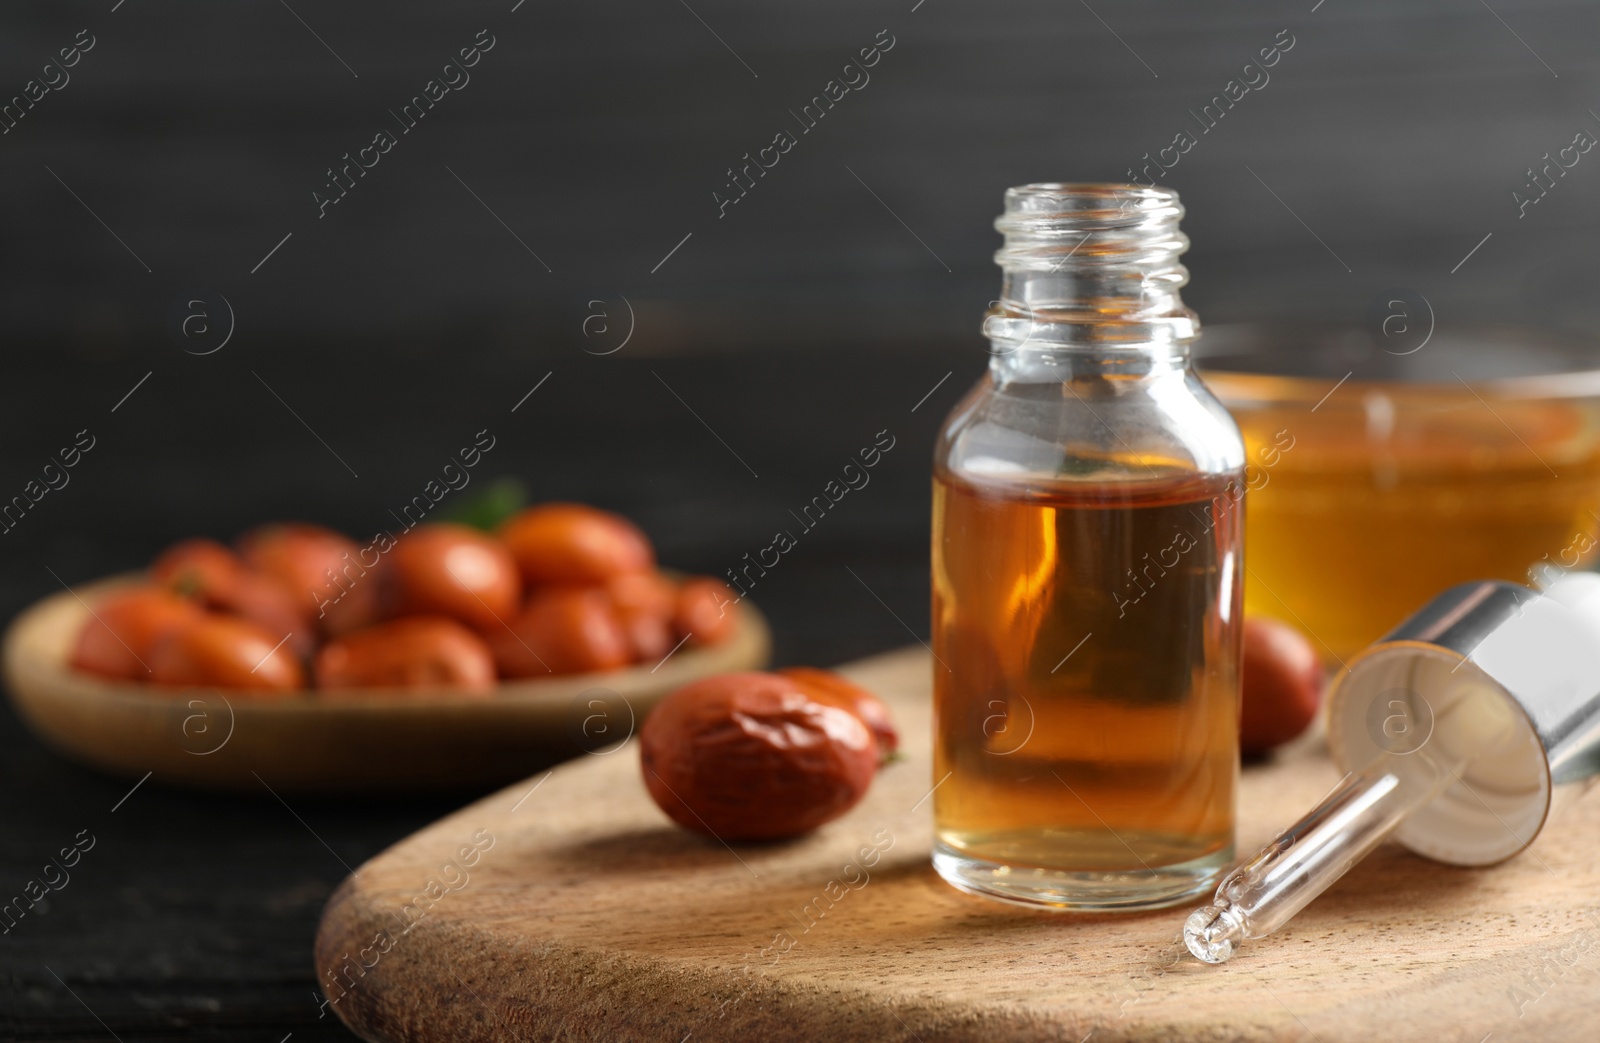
column 383, row 993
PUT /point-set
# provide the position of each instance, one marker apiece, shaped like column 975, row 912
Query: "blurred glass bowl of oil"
column 1383, row 473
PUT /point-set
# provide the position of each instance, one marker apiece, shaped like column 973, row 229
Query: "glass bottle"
column 1088, row 507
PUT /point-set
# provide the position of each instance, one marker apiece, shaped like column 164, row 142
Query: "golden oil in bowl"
column 1379, row 479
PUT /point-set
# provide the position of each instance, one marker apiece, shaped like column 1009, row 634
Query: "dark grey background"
column 820, row 310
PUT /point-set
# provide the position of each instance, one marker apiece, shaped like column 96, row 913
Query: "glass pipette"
column 1304, row 860
column 1496, row 691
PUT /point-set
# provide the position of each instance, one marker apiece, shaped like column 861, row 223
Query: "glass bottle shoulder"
column 1090, row 427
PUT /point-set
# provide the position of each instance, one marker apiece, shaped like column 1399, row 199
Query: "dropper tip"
column 1211, row 933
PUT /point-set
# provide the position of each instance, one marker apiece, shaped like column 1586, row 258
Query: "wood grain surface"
column 567, row 907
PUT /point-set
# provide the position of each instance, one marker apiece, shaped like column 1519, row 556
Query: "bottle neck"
column 1031, row 363
column 1091, row 280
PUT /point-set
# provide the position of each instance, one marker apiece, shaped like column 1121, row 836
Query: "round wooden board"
column 375, row 740
column 567, row 907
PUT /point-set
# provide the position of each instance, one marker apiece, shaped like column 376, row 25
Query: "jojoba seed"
column 444, row 569
column 562, row 630
column 225, row 652
column 118, row 636
column 322, row 570
column 1282, row 681
column 217, row 578
column 829, row 687
column 415, row 652
column 706, row 611
column 574, row 543
column 753, row 756
column 645, row 603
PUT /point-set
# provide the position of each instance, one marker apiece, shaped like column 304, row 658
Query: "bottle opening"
column 1070, row 197
column 1091, row 264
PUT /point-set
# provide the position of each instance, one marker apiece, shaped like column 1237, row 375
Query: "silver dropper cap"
column 1506, row 677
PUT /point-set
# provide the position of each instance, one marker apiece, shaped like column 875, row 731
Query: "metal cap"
column 1500, row 678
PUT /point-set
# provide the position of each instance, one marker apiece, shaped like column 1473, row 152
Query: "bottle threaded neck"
column 1091, row 265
